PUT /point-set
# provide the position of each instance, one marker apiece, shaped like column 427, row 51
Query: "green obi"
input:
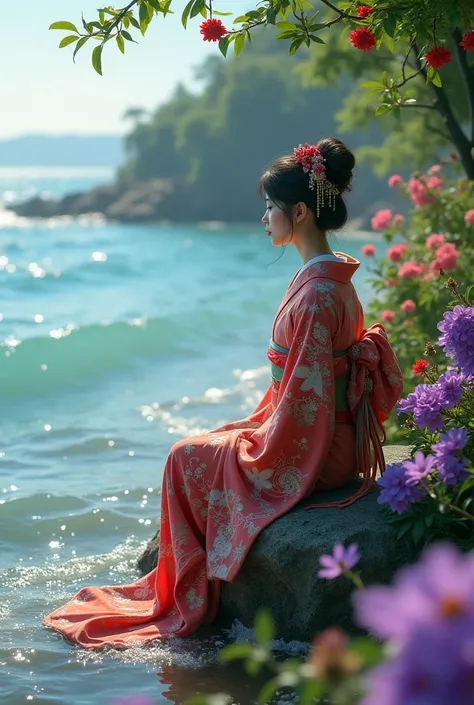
column 341, row 382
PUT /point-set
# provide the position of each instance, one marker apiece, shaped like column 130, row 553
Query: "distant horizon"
column 92, row 135
column 43, row 91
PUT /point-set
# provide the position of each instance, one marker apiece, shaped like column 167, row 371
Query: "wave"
column 68, row 355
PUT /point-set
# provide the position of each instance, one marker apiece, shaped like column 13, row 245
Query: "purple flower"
column 450, row 383
column 426, row 402
column 395, row 491
column 438, row 592
column 435, row 667
column 342, row 560
column 457, row 339
column 451, row 469
column 418, row 468
column 450, row 442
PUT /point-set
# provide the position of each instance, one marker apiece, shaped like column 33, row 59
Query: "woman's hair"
column 286, row 184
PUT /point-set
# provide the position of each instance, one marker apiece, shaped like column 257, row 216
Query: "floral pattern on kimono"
column 222, row 488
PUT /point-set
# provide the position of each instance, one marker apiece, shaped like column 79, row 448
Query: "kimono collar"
column 341, row 271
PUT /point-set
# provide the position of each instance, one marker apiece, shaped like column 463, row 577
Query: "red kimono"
column 333, row 384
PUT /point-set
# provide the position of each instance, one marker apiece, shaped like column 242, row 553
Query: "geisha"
column 318, row 426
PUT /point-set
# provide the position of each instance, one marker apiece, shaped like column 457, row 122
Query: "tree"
column 415, row 38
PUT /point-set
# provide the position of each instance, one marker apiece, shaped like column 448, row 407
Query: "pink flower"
column 398, row 219
column 387, row 316
column 411, row 269
column 429, row 275
column 469, row 217
column 381, row 219
column 368, row 250
column 435, row 169
column 391, row 281
column 434, row 241
column 408, row 306
column 395, row 180
column 396, row 252
column 341, row 561
column 434, row 183
column 446, row 257
column 418, row 193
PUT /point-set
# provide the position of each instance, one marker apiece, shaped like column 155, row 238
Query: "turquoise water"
column 115, row 341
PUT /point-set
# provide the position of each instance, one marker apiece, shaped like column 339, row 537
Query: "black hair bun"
column 339, row 162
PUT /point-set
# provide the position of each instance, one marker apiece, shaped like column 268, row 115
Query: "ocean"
column 115, row 341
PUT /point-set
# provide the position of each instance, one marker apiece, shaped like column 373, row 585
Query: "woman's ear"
column 301, row 210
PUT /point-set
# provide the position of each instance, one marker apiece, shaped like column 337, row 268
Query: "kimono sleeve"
column 300, row 430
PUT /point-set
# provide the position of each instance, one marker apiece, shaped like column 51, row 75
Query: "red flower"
column 363, row 11
column 212, row 30
column 419, row 367
column 362, row 39
column 467, row 40
column 438, row 57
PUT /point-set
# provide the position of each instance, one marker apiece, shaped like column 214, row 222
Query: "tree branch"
column 457, row 136
column 425, row 106
column 467, row 74
column 346, row 15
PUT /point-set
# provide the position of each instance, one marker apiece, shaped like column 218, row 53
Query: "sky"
column 43, row 91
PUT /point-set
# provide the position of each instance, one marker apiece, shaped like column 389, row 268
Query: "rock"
column 280, row 571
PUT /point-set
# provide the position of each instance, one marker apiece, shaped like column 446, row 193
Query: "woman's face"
column 277, row 225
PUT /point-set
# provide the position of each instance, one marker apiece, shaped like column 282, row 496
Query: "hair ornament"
column 313, row 163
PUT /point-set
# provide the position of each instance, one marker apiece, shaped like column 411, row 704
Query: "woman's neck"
column 309, row 250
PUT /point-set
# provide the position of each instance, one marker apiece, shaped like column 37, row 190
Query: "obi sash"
column 369, row 361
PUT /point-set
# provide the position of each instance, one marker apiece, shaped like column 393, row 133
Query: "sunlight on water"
column 115, row 342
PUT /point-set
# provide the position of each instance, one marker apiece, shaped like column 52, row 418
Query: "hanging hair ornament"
column 312, row 161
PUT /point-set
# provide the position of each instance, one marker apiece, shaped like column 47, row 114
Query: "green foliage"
column 443, row 214
column 334, row 668
column 218, row 142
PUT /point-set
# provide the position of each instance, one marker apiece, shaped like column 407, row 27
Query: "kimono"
column 332, row 385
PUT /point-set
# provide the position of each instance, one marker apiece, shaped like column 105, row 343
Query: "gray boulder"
column 280, row 572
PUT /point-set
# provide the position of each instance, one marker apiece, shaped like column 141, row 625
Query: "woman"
column 333, row 384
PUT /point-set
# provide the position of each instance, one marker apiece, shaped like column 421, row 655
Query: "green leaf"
column 65, row 41
column 235, row 651
column 64, row 25
column 222, row 14
column 224, row 43
column 144, row 18
column 288, row 34
column 370, row 652
column 468, row 293
column 295, row 44
column 126, row 22
column 264, row 627
column 155, row 4
column 311, row 691
column 390, row 24
column 240, row 18
column 134, row 22
column 197, row 7
column 373, row 84
column 286, row 26
column 303, row 5
column 418, row 530
column 268, row 691
column 239, row 43
column 120, row 43
column 97, row 59
column 433, row 76
column 381, row 109
column 79, row 44
column 128, row 36
column 254, row 14
column 316, row 40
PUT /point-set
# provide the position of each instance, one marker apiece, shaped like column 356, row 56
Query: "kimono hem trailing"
column 333, row 385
